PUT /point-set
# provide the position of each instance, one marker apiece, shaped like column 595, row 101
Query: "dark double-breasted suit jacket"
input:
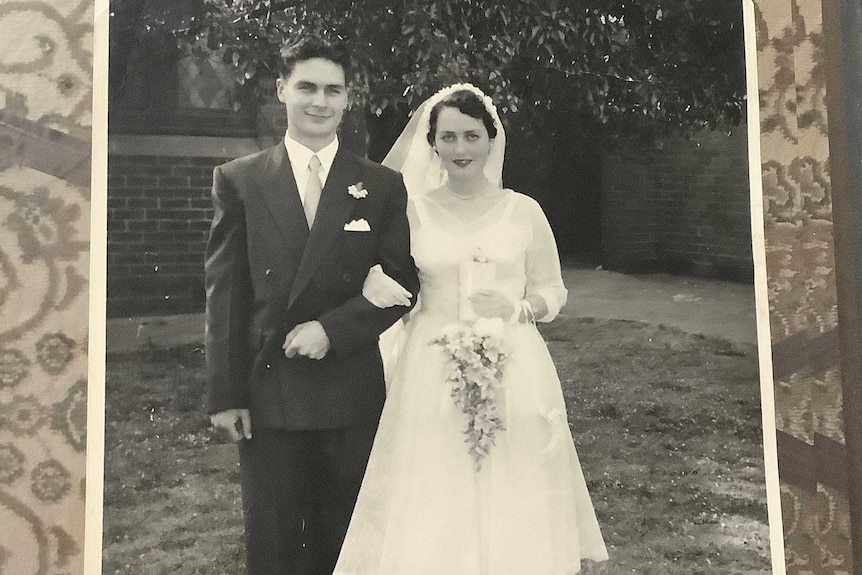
column 266, row 273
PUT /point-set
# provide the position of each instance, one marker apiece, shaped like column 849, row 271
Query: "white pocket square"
column 359, row 225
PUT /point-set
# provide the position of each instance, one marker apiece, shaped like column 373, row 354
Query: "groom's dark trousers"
column 313, row 421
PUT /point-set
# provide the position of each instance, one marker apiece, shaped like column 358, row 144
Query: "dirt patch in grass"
column 667, row 426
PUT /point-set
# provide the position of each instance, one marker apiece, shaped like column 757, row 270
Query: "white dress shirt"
column 299, row 157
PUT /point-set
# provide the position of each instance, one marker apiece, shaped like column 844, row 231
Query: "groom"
column 293, row 368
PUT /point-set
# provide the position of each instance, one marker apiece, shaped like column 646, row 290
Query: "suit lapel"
column 277, row 185
column 333, row 211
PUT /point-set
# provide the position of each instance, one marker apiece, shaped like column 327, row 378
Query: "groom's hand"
column 308, row 339
column 235, row 422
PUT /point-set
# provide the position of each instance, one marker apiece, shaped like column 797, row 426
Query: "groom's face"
column 315, row 95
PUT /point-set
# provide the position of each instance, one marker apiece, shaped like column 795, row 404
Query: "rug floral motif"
column 800, row 263
column 45, row 77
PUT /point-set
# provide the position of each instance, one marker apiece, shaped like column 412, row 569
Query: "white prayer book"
column 475, row 274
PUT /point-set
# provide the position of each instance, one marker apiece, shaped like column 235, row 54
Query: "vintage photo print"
column 578, row 384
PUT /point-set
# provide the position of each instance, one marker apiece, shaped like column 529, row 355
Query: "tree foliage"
column 656, row 66
column 141, row 49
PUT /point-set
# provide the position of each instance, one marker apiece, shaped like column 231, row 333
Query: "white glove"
column 491, row 303
column 383, row 291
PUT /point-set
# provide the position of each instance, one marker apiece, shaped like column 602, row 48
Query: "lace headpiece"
column 415, row 158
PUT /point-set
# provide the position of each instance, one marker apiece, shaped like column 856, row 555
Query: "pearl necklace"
column 471, row 196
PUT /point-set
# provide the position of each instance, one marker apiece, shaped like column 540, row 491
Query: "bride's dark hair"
column 466, row 102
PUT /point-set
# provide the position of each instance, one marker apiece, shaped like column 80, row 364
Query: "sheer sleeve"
column 544, row 275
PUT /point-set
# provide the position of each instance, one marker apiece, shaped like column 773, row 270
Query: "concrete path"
column 714, row 308
column 133, row 333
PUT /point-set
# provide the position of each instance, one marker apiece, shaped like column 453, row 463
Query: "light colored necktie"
column 313, row 190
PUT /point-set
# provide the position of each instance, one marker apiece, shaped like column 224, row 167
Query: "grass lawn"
column 667, row 426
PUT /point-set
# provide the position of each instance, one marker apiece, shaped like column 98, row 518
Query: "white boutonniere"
column 357, row 191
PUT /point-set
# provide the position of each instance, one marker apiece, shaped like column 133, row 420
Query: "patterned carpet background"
column 803, row 299
column 46, row 88
column 45, row 96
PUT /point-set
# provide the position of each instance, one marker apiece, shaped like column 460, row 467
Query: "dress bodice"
column 502, row 246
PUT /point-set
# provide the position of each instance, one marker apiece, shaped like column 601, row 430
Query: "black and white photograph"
column 446, row 286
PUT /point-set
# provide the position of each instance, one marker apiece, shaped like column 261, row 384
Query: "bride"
column 473, row 470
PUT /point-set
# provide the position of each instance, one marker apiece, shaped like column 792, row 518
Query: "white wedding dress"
column 423, row 507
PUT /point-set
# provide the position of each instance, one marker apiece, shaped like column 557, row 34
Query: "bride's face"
column 462, row 142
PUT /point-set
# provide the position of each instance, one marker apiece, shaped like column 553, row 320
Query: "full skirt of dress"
column 425, row 509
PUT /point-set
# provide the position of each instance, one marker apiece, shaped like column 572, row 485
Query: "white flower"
column 475, row 363
column 453, row 331
column 357, row 191
column 490, row 327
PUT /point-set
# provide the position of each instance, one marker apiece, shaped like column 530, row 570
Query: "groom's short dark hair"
column 310, row 48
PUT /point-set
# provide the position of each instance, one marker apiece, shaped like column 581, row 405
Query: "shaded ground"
column 709, row 307
column 667, row 426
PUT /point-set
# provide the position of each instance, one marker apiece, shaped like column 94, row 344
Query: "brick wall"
column 159, row 212
column 682, row 209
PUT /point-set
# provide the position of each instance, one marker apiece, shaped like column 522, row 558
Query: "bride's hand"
column 383, row 291
column 491, row 303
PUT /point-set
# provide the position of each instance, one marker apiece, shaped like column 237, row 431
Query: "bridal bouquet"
column 476, row 355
